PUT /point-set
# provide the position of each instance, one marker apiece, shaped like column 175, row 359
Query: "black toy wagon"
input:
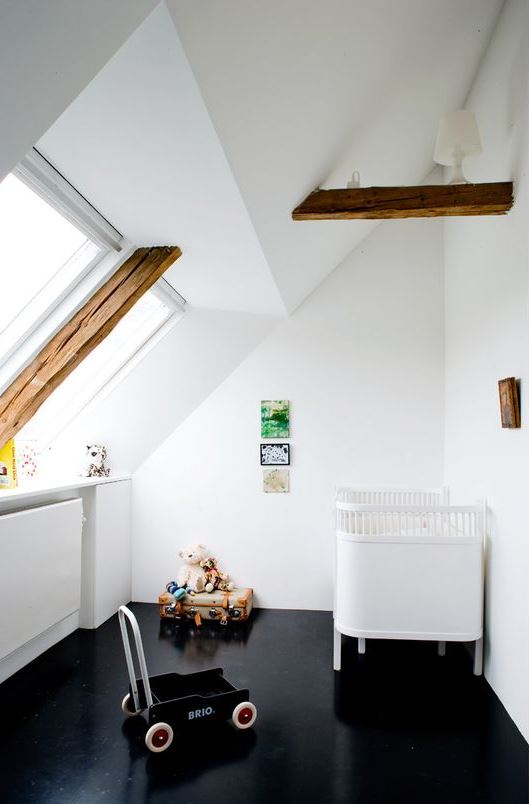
column 173, row 701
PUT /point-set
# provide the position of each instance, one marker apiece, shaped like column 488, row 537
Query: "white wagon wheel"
column 244, row 715
column 159, row 737
column 128, row 706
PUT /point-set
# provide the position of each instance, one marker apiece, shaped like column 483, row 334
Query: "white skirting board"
column 40, row 580
column 19, row 658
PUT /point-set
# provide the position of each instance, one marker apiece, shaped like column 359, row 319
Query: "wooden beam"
column 426, row 201
column 76, row 339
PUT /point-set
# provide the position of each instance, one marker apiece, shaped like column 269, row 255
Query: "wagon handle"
column 123, row 613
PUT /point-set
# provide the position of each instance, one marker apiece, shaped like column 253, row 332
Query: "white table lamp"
column 457, row 137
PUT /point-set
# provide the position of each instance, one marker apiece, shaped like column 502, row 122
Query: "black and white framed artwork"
column 275, row 454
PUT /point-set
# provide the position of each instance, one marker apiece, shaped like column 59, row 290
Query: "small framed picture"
column 275, row 454
column 276, row 481
column 275, row 418
column 509, row 402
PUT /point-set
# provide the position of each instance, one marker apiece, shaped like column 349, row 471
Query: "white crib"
column 408, row 566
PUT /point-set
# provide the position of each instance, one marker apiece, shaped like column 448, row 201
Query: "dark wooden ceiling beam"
column 423, row 201
column 76, row 339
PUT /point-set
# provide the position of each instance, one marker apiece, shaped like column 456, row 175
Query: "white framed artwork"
column 276, row 481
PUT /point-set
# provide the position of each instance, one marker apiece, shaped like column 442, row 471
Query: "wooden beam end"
column 422, row 201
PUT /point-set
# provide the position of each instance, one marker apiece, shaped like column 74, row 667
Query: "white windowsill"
column 38, row 487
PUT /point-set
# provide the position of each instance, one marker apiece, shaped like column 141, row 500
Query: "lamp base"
column 456, row 175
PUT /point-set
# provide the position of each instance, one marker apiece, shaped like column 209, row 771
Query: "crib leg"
column 361, row 645
column 478, row 657
column 441, row 648
column 337, row 652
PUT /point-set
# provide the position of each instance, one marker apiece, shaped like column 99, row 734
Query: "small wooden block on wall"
column 509, row 403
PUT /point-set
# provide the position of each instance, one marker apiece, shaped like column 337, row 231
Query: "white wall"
column 203, row 348
column 362, row 363
column 49, row 51
column 487, row 338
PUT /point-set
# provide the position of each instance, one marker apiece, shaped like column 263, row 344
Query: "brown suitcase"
column 222, row 607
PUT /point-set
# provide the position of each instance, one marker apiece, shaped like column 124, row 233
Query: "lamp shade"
column 457, row 137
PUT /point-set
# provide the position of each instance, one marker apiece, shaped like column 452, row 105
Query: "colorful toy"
column 173, row 701
column 178, row 592
column 215, row 579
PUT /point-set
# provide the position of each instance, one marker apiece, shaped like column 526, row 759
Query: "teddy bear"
column 215, row 579
column 191, row 574
column 96, row 456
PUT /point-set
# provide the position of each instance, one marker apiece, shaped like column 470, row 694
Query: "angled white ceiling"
column 213, row 151
column 139, row 144
column 49, row 51
column 303, row 92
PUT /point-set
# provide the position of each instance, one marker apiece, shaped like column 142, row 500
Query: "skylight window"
column 57, row 250
column 48, row 242
column 107, row 365
column 43, row 254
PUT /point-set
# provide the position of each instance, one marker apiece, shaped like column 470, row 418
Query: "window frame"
column 165, row 291
column 43, row 178
column 46, row 181
column 176, row 305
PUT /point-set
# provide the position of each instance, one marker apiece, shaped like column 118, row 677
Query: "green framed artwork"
column 275, row 418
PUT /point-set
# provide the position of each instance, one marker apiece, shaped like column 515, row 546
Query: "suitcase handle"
column 125, row 614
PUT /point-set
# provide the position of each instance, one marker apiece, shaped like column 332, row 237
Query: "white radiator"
column 40, row 577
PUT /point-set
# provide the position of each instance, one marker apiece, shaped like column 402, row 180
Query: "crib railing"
column 412, row 521
column 393, row 496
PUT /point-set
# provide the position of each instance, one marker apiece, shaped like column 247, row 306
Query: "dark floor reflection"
column 203, row 643
column 399, row 725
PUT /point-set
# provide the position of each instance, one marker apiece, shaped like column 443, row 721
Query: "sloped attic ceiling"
column 214, row 150
column 139, row 144
column 303, row 93
column 49, row 51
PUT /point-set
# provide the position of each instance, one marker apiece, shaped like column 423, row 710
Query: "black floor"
column 399, row 724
